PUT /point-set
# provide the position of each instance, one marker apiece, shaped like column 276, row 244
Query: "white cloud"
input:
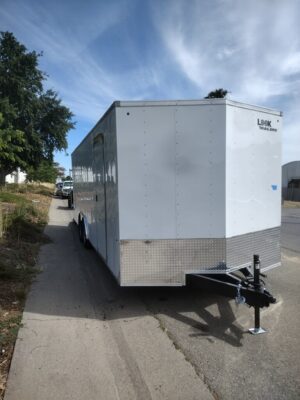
column 86, row 84
column 291, row 64
column 234, row 44
column 250, row 48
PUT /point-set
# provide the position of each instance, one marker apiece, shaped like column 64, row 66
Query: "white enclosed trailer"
column 164, row 189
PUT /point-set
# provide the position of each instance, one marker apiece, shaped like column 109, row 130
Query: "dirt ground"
column 291, row 204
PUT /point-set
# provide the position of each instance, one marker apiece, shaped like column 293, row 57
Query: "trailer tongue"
column 245, row 288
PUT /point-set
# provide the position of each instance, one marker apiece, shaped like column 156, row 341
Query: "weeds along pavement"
column 23, row 216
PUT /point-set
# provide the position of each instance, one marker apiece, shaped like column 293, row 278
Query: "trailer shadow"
column 204, row 314
column 66, row 208
column 75, row 283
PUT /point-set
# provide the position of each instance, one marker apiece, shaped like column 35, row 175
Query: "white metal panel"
column 146, row 170
column 171, row 171
column 112, row 205
column 100, row 194
column 253, row 171
column 200, row 171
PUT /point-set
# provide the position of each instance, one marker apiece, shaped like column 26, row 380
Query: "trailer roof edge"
column 221, row 101
column 153, row 103
column 113, row 105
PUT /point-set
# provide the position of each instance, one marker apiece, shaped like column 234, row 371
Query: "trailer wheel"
column 70, row 200
column 82, row 236
column 86, row 241
column 80, row 230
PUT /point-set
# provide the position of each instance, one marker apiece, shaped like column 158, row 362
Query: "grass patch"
column 18, row 272
column 7, row 272
column 7, row 197
column 9, row 329
column 24, row 216
column 24, row 213
column 25, row 230
column 29, row 188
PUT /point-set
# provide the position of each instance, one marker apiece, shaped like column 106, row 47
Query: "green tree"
column 60, row 170
column 45, row 172
column 217, row 94
column 28, row 108
column 11, row 148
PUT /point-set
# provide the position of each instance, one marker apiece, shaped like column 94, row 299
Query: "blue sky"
column 98, row 51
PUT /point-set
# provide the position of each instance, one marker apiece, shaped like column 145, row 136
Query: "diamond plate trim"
column 166, row 262
column 266, row 243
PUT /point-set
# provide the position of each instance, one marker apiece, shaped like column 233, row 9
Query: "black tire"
column 80, row 226
column 82, row 236
column 70, row 200
column 85, row 240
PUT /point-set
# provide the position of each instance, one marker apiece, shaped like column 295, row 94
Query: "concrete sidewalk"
column 83, row 337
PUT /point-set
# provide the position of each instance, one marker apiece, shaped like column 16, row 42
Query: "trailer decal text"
column 265, row 125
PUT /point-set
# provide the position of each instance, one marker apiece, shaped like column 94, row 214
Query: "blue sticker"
column 274, row 187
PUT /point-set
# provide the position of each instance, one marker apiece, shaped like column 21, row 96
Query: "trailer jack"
column 245, row 289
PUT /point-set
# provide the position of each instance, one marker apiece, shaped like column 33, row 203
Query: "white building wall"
column 290, row 171
column 16, row 177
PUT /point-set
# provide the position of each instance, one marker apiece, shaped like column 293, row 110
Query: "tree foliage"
column 60, row 170
column 45, row 172
column 26, row 107
column 217, row 94
column 11, row 147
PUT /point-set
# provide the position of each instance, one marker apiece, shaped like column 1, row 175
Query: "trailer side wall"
column 253, row 186
column 253, row 171
column 96, row 189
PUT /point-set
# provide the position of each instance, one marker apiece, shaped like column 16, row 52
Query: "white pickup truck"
column 66, row 189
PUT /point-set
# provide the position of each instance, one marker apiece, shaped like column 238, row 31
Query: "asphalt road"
column 85, row 337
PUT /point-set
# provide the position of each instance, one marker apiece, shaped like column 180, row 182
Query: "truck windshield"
column 67, row 184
